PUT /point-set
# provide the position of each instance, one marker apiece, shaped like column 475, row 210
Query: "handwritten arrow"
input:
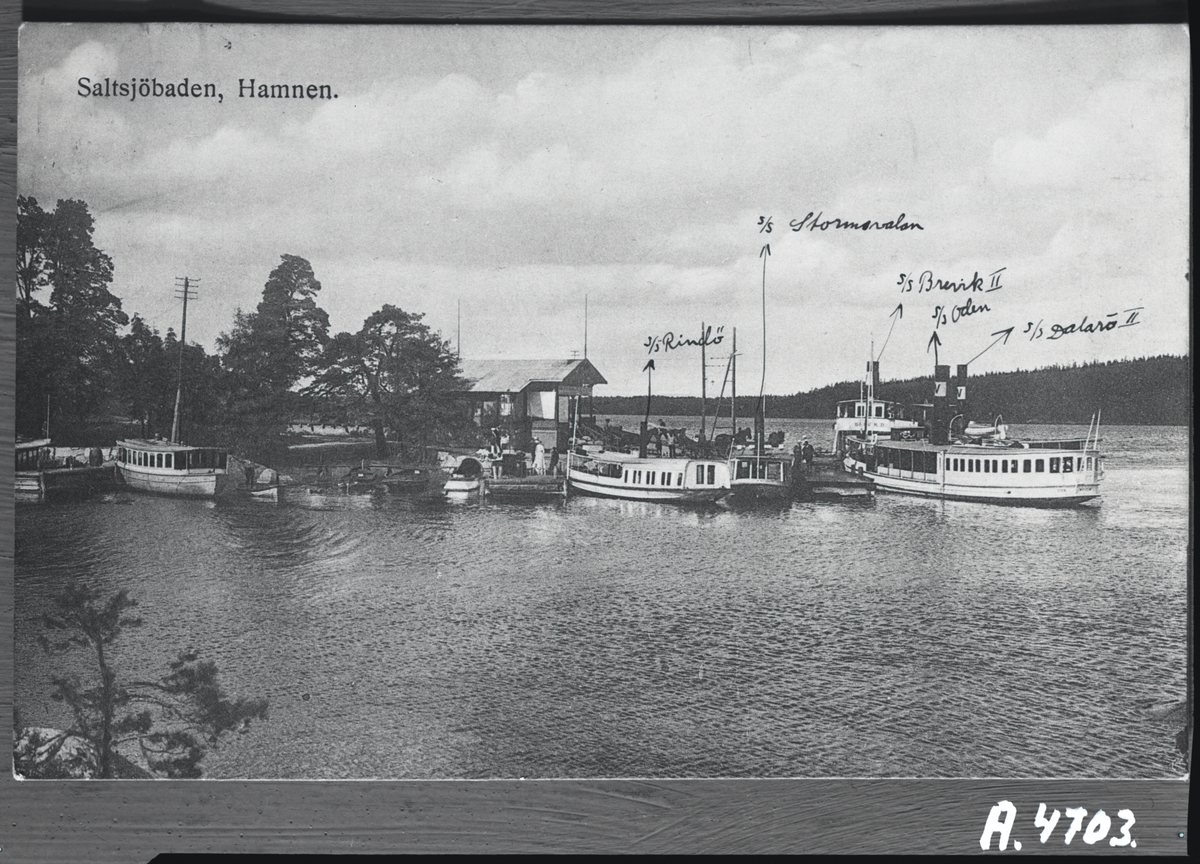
column 935, row 342
column 896, row 315
column 1003, row 334
column 764, row 254
column 649, row 365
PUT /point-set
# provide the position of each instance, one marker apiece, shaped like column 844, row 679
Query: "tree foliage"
column 268, row 351
column 66, row 347
column 394, row 374
column 278, row 342
column 172, row 720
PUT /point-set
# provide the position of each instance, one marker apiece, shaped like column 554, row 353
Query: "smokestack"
column 960, row 395
column 941, row 407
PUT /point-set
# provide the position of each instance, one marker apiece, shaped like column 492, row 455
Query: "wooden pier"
column 532, row 487
column 50, row 484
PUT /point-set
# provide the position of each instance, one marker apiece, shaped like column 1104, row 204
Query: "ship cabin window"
column 712, row 475
column 1054, row 465
column 637, row 478
column 878, row 410
column 1014, row 466
column 1068, row 464
column 167, row 461
column 158, row 460
column 650, row 478
column 987, row 466
column 860, row 410
column 1089, row 463
column 626, row 476
column 1003, row 466
column 1039, row 465
column 1028, row 466
column 699, row 473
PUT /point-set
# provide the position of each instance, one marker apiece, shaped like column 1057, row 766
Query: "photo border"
column 136, row 820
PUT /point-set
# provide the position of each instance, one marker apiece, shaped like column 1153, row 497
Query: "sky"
column 522, row 174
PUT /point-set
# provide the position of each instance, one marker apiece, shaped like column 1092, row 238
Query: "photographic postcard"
column 416, row 402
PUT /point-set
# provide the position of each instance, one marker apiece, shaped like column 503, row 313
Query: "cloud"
column 518, row 169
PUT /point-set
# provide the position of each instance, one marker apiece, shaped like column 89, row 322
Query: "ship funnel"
column 941, row 405
column 960, row 393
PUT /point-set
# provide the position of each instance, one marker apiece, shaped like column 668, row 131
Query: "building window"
column 505, row 405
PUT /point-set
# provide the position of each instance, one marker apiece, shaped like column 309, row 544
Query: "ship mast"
column 183, row 286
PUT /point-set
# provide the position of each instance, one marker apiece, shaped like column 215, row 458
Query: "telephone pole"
column 183, row 290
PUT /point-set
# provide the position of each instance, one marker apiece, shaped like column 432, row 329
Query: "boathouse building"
column 530, row 398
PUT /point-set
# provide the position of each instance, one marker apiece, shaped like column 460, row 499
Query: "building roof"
column 513, row 376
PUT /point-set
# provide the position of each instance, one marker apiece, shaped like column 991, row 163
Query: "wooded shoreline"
column 1150, row 391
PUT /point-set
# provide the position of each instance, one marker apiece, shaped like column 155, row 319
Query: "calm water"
column 397, row 637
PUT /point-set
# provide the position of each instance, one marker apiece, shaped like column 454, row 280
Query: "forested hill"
column 1153, row 391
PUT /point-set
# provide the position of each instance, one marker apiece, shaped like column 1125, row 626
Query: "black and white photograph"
column 573, row 402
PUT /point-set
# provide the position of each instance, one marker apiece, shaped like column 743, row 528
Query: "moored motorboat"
column 171, row 469
column 765, row 475
column 637, row 478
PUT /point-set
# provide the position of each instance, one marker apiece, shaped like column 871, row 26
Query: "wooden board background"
column 135, row 820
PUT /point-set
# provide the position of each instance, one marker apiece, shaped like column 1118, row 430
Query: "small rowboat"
column 270, row 493
column 467, row 478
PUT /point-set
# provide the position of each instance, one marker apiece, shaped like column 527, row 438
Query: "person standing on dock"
column 539, row 458
column 809, row 454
